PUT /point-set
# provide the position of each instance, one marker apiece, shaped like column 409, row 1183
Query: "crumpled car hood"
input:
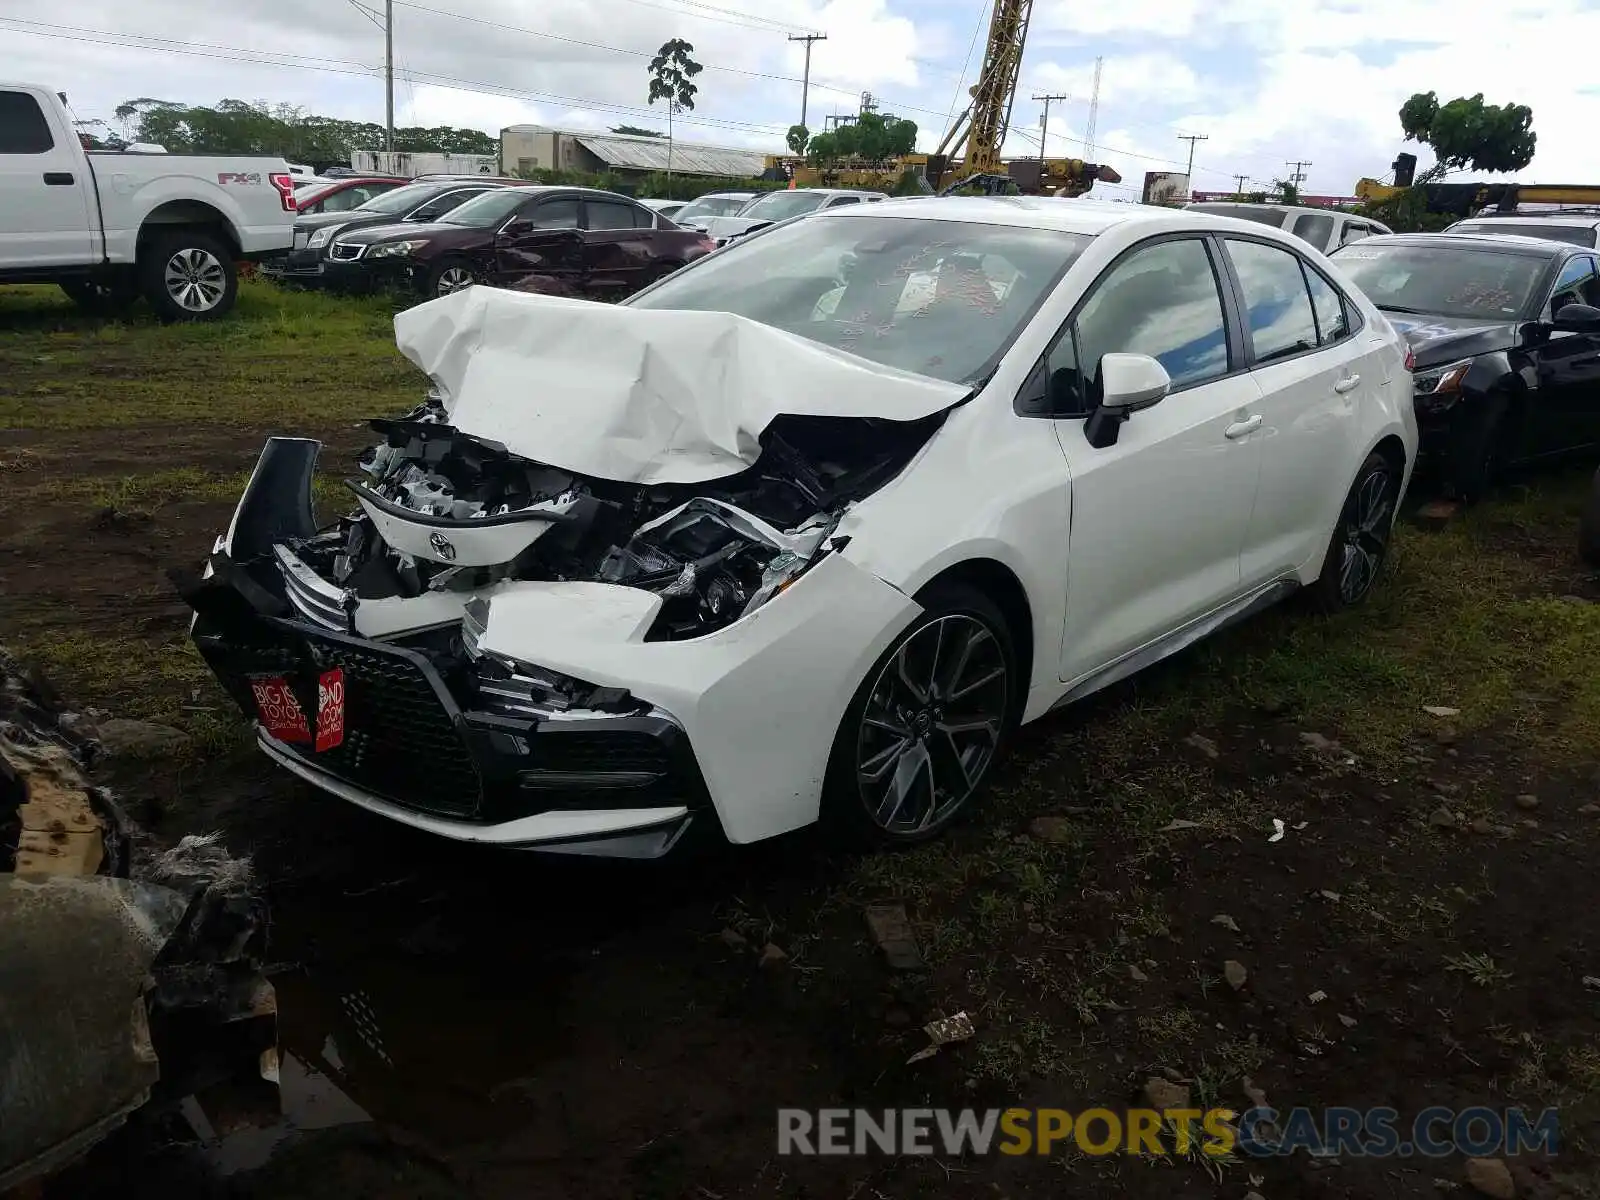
column 637, row 395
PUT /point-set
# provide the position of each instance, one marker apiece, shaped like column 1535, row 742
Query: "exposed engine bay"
column 443, row 512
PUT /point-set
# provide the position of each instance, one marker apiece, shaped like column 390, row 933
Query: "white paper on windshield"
column 639, row 395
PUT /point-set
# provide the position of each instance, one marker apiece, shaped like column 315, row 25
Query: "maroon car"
column 573, row 241
column 341, row 195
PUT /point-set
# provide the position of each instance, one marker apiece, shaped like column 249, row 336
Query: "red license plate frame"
column 281, row 715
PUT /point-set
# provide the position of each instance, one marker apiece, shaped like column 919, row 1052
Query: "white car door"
column 1312, row 377
column 44, row 197
column 1159, row 517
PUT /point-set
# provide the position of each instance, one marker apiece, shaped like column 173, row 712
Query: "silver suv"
column 1580, row 228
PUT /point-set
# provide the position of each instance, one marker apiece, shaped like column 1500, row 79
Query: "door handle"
column 1243, row 428
column 1347, row 385
column 58, row 178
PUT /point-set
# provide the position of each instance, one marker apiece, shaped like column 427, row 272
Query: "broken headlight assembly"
column 1438, row 388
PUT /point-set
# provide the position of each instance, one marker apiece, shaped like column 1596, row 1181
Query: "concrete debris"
column 1203, row 744
column 1058, row 830
column 114, row 991
column 943, row 1032
column 121, row 737
column 891, row 929
column 1527, row 802
column 1162, row 1094
column 1440, row 710
column 1234, row 972
column 1492, row 1178
column 773, row 955
column 1442, row 818
column 1227, row 922
column 1177, row 826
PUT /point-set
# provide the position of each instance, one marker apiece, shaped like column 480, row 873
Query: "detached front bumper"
column 419, row 748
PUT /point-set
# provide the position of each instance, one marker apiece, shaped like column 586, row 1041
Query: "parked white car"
column 110, row 227
column 804, row 530
column 1325, row 228
column 696, row 213
column 784, row 205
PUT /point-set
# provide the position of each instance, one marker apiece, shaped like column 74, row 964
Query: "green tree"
column 824, row 148
column 798, row 136
column 672, row 73
column 636, row 130
column 1466, row 132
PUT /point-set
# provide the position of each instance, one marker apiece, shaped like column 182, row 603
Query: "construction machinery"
column 1469, row 199
column 968, row 159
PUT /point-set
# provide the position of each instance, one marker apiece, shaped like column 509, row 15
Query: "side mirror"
column 1577, row 318
column 1128, row 383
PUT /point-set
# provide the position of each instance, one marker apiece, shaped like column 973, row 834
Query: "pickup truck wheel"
column 188, row 277
column 96, row 296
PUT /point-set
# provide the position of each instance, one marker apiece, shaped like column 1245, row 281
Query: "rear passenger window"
column 1315, row 228
column 23, row 129
column 1277, row 305
column 1162, row 301
column 1333, row 322
column 610, row 214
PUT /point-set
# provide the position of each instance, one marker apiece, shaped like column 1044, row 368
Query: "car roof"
column 1533, row 247
column 1571, row 220
column 1060, row 213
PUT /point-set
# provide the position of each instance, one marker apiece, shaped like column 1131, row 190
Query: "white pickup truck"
column 110, row 227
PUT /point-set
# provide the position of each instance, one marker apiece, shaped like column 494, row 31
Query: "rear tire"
column 188, row 275
column 920, row 738
column 1360, row 544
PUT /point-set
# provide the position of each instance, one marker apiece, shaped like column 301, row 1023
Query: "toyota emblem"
column 442, row 546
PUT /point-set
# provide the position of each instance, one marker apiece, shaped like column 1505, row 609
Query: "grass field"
column 1085, row 947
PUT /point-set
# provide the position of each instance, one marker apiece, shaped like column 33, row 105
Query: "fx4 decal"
column 239, row 178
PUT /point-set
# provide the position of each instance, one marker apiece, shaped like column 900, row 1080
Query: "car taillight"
column 285, row 186
column 1411, row 361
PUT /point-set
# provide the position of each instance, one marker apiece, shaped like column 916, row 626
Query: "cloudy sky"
column 1266, row 81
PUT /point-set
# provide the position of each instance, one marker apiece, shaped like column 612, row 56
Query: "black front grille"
column 401, row 741
column 581, row 751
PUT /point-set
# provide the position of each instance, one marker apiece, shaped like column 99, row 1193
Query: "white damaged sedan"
column 804, row 530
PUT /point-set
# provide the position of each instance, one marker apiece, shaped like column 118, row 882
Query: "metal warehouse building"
column 534, row 147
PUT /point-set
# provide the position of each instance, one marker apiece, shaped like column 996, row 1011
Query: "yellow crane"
column 969, row 155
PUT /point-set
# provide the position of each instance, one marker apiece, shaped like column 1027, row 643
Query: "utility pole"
column 1238, row 184
column 1192, row 138
column 1044, row 122
column 805, row 85
column 1296, row 174
column 1094, row 112
column 388, row 74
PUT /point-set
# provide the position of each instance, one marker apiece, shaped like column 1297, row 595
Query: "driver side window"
column 1578, row 284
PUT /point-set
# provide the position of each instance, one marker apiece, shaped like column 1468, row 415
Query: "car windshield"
column 1442, row 280
column 780, row 206
column 1577, row 235
column 488, row 209
column 940, row 298
column 1260, row 213
column 713, row 206
column 401, row 199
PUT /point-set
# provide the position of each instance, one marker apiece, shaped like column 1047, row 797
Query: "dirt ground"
column 463, row 1024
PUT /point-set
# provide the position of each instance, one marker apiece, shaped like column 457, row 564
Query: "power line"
column 1296, row 175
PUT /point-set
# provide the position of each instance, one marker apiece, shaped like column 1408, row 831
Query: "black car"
column 309, row 263
column 1505, row 333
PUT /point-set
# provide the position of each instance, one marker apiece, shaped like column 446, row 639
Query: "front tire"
column 924, row 730
column 1360, row 544
column 448, row 276
column 188, row 276
column 1476, row 449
